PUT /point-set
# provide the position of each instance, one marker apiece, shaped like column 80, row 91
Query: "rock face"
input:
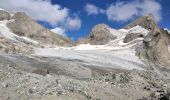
column 23, row 25
column 131, row 36
column 4, row 15
column 155, row 48
column 99, row 35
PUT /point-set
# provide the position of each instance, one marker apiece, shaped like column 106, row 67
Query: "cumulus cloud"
column 123, row 11
column 92, row 9
column 73, row 23
column 39, row 10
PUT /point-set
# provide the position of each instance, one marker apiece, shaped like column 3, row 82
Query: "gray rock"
column 132, row 36
column 4, row 15
column 100, row 35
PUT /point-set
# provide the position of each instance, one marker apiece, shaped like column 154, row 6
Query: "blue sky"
column 75, row 18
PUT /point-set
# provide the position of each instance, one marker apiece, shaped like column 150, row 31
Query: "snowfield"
column 96, row 56
column 115, row 54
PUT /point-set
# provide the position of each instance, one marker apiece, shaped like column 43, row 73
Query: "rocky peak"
column 147, row 22
column 100, row 35
column 99, row 27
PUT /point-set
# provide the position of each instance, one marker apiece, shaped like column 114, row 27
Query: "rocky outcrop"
column 132, row 36
column 23, row 25
column 11, row 47
column 99, row 35
column 4, row 15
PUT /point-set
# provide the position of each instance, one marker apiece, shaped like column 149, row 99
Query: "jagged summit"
column 100, row 35
column 148, row 22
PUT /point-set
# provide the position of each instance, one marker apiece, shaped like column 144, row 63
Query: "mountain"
column 131, row 63
column 23, row 25
column 155, row 44
column 20, row 33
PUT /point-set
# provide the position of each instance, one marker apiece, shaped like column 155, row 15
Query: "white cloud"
column 123, row 11
column 39, row 10
column 73, row 23
column 59, row 31
column 92, row 9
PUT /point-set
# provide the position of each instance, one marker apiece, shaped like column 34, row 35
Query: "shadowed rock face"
column 23, row 25
column 132, row 36
column 155, row 48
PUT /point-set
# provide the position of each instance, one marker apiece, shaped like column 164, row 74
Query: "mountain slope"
column 22, row 32
column 23, row 25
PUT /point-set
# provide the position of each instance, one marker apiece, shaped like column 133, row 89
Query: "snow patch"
column 5, row 31
column 138, row 29
column 29, row 40
column 2, row 9
column 117, row 32
column 167, row 30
